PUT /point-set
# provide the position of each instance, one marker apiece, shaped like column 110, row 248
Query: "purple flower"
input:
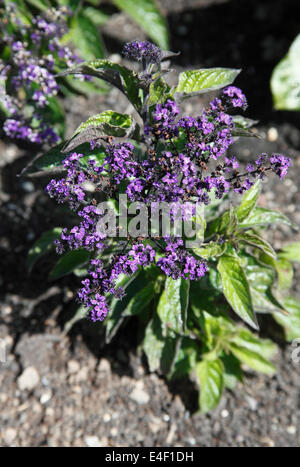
column 142, row 51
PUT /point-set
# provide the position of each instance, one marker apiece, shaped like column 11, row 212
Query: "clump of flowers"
column 184, row 161
column 32, row 54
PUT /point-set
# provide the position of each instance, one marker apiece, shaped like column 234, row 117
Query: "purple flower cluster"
column 142, row 51
column 102, row 281
column 27, row 76
column 179, row 263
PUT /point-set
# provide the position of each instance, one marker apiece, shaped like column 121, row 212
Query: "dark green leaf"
column 140, row 300
column 119, row 76
column 68, row 262
column 232, row 370
column 42, row 246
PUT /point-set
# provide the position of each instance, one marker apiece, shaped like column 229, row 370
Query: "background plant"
column 39, row 38
column 191, row 306
column 285, row 82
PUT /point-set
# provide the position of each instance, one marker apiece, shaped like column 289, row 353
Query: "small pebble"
column 93, row 442
column 292, row 430
column 29, row 379
column 10, row 435
column 272, row 134
column 139, row 395
column 73, row 366
column 224, row 413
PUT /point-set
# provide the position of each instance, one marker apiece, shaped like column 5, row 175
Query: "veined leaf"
column 211, row 379
column 148, row 16
column 257, row 242
column 248, row 202
column 264, row 347
column 263, row 216
column 236, row 288
column 252, row 359
column 154, row 343
column 210, row 250
column 205, row 80
column 117, row 75
column 173, row 304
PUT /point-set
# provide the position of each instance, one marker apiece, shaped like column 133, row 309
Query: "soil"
column 69, row 389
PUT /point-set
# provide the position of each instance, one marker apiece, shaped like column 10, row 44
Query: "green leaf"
column 211, row 379
column 148, row 16
column 261, row 279
column 232, row 370
column 186, row 358
column 85, row 36
column 68, row 262
column 236, row 288
column 79, row 314
column 39, row 4
column 117, row 75
column 84, row 87
column 257, row 242
column 264, row 347
column 140, row 300
column 42, row 246
column 285, row 83
column 291, row 252
column 263, row 216
column 131, row 284
column 205, row 80
column 154, row 343
column 243, row 122
column 290, row 321
column 210, row 250
column 173, row 304
column 95, row 15
column 107, row 123
column 248, row 202
column 158, row 92
column 252, row 359
column 54, row 157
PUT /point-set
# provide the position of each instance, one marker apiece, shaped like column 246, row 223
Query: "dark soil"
column 84, row 393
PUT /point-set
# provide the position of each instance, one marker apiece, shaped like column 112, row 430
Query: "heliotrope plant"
column 197, row 305
column 31, row 54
